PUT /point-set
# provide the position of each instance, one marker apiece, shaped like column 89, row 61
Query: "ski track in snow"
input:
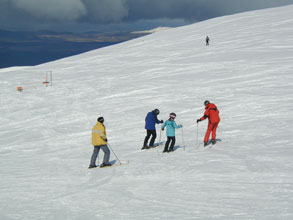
column 246, row 71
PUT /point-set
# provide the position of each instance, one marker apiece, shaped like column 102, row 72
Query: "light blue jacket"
column 171, row 125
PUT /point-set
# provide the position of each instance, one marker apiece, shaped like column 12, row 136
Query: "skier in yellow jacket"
column 99, row 141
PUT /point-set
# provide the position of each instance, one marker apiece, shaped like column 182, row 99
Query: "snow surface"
column 246, row 71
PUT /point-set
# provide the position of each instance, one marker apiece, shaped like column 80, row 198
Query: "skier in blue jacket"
column 171, row 125
column 150, row 125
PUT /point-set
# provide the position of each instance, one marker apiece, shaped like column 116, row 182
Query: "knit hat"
column 172, row 115
column 100, row 119
column 157, row 111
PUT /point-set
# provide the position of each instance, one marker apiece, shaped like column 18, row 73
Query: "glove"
column 162, row 129
column 181, row 126
column 198, row 120
column 162, row 121
column 106, row 140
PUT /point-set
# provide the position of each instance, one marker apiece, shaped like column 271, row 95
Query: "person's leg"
column 94, row 156
column 207, row 135
column 167, row 144
column 145, row 143
column 214, row 131
column 154, row 135
column 173, row 140
column 106, row 154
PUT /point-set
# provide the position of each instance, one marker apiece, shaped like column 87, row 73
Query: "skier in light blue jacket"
column 171, row 125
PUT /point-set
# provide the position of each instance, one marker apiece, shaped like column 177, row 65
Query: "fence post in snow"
column 46, row 82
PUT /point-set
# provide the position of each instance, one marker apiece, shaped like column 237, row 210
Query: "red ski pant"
column 212, row 127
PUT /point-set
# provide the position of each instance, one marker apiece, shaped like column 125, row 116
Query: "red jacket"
column 212, row 113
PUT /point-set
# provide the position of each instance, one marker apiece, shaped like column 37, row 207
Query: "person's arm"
column 158, row 121
column 206, row 115
column 102, row 132
column 203, row 117
column 164, row 125
column 177, row 126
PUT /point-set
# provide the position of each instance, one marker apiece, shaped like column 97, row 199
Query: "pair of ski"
column 175, row 148
column 208, row 146
column 114, row 164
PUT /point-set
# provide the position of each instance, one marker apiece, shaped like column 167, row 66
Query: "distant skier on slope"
column 150, row 125
column 171, row 125
column 212, row 113
column 99, row 141
column 207, row 41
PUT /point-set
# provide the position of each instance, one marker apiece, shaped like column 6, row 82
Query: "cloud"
column 42, row 12
column 100, row 11
column 105, row 11
column 51, row 9
column 195, row 9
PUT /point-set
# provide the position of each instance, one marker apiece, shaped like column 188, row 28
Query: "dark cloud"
column 42, row 13
column 65, row 10
column 105, row 11
column 194, row 10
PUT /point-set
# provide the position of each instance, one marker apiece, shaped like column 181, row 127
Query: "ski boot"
column 145, row 147
column 105, row 165
column 165, row 150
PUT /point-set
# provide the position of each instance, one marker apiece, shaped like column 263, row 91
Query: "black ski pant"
column 172, row 140
column 150, row 133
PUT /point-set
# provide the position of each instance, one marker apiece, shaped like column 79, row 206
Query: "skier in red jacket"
column 212, row 113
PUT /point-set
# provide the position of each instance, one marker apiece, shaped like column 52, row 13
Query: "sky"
column 81, row 15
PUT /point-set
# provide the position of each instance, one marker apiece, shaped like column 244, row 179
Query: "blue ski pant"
column 96, row 151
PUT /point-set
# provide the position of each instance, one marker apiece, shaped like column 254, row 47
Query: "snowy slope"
column 45, row 133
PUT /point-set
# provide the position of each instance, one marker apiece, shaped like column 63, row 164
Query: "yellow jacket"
column 99, row 135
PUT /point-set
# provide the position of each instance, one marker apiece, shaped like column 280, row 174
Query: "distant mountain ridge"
column 29, row 48
column 152, row 30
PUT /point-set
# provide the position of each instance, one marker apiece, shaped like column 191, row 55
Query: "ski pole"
column 160, row 137
column 114, row 153
column 98, row 159
column 159, row 141
column 197, row 137
column 182, row 138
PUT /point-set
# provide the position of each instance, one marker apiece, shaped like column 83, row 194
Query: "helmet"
column 100, row 119
column 172, row 115
column 206, row 102
column 157, row 111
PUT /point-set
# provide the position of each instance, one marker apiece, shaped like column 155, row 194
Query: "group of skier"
column 150, row 125
column 99, row 138
column 211, row 112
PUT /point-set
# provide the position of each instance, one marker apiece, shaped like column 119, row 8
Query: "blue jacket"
column 151, row 120
column 171, row 125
